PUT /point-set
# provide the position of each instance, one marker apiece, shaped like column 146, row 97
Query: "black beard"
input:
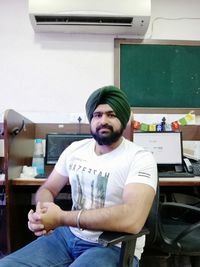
column 108, row 139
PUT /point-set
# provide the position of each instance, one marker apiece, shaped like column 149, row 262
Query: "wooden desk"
column 27, row 182
column 180, row 181
column 193, row 181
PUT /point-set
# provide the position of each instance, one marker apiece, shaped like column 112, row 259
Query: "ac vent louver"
column 86, row 20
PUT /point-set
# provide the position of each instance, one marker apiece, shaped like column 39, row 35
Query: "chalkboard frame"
column 118, row 67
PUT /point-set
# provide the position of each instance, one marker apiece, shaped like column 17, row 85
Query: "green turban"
column 112, row 96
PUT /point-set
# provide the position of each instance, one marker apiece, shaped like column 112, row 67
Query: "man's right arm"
column 51, row 188
column 46, row 193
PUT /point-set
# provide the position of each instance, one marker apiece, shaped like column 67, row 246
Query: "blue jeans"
column 63, row 249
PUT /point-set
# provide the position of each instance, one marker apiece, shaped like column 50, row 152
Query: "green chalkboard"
column 160, row 75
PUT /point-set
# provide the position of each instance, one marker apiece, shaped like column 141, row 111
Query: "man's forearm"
column 127, row 217
column 112, row 219
column 43, row 195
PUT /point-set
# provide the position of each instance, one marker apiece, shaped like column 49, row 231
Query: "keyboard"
column 173, row 174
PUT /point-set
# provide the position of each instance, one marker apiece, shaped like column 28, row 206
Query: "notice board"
column 158, row 73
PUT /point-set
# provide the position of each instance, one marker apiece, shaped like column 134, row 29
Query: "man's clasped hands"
column 45, row 218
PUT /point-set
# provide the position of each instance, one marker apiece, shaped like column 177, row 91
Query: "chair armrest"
column 108, row 238
column 128, row 244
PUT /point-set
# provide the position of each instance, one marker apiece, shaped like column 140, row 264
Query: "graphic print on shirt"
column 90, row 187
column 80, row 196
column 100, row 190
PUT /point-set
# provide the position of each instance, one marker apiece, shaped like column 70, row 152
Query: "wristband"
column 78, row 219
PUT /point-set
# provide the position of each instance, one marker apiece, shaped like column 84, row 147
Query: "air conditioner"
column 130, row 17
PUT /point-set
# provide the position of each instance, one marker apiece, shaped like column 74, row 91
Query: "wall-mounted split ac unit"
column 130, row 17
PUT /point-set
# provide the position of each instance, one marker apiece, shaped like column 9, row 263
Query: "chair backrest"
column 152, row 220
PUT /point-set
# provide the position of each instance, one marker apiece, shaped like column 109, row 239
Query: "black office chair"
column 179, row 230
column 129, row 240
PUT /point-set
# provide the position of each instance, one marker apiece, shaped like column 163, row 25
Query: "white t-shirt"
column 98, row 180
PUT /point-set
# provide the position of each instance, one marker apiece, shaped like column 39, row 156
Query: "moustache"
column 104, row 126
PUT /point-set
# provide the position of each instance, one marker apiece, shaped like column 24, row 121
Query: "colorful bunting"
column 190, row 117
column 163, row 126
column 175, row 125
column 152, row 127
column 168, row 127
column 159, row 128
column 136, row 125
column 183, row 121
column 144, row 127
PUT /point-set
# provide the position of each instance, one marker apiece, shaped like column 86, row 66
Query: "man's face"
column 105, row 127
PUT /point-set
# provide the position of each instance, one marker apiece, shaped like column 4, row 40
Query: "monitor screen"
column 165, row 146
column 56, row 143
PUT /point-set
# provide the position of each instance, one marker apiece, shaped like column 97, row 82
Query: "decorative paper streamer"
column 168, row 127
column 144, row 127
column 190, row 117
column 152, row 127
column 136, row 125
column 163, row 126
column 175, row 125
column 159, row 128
column 183, row 121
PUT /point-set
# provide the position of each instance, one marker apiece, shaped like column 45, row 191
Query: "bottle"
column 38, row 157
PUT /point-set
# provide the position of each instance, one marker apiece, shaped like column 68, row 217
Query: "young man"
column 113, row 183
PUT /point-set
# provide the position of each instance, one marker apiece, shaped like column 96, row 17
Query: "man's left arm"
column 129, row 216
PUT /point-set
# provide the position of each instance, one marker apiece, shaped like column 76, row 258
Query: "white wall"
column 48, row 77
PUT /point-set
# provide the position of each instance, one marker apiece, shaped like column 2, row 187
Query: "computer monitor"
column 57, row 142
column 165, row 146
